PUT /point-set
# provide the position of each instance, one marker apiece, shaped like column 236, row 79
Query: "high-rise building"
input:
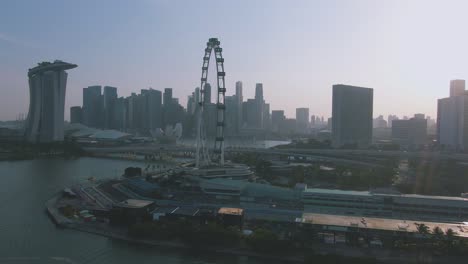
column 390, row 119
column 239, row 91
column 120, row 114
column 207, row 93
column 231, row 117
column 75, row 114
column 277, row 120
column 457, row 87
column 191, row 104
column 196, row 97
column 266, row 117
column 110, row 98
column 352, row 116
column 259, row 91
column 411, row 132
column 302, row 120
column 240, row 100
column 154, row 113
column 132, row 114
column 259, row 107
column 167, row 100
column 312, row 121
column 250, row 113
column 47, row 86
column 452, row 118
column 92, row 106
column 289, row 126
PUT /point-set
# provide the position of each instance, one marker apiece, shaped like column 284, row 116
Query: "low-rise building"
column 131, row 211
column 231, row 217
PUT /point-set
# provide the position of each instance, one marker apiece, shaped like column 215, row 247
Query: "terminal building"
column 393, row 205
column 377, row 203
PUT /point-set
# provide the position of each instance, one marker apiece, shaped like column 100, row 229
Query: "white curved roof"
column 80, row 131
column 109, row 134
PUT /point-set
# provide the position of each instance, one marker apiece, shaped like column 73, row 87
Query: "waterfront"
column 29, row 236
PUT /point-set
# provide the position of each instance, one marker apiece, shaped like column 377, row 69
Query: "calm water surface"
column 27, row 235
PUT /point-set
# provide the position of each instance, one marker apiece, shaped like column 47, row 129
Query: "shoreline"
column 63, row 222
column 381, row 255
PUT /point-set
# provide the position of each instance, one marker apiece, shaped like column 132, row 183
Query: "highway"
column 315, row 153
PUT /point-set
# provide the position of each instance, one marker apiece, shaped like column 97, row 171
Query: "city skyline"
column 298, row 59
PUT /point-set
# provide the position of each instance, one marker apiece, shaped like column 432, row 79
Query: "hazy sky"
column 406, row 50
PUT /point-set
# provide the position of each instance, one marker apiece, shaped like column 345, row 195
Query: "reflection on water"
column 28, row 236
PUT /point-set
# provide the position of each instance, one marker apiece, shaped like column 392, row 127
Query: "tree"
column 422, row 229
column 450, row 234
column 263, row 169
column 437, row 232
column 263, row 240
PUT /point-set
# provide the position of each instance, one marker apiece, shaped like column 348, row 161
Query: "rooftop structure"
column 349, row 223
column 231, row 211
column 135, row 203
column 44, row 66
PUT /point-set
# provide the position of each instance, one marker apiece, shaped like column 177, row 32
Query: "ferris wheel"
column 203, row 156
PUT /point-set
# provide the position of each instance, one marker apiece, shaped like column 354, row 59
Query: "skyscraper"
column 47, row 86
column 154, row 109
column 110, row 98
column 302, row 120
column 239, row 91
column 207, row 93
column 352, row 116
column 259, row 106
column 250, row 114
column 452, row 118
column 231, row 121
column 457, row 87
column 75, row 114
column 120, row 114
column 259, row 91
column 240, row 100
column 92, row 106
column 277, row 120
column 196, row 97
column 191, row 104
column 266, row 124
column 167, row 100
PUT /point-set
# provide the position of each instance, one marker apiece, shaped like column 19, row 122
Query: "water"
column 27, row 235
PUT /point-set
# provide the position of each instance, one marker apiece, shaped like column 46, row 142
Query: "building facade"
column 411, row 132
column 93, row 106
column 452, row 119
column 76, row 114
column 47, row 87
column 352, row 116
column 109, row 101
column 302, row 120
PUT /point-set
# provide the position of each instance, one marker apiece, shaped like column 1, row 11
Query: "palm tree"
column 437, row 232
column 422, row 229
column 450, row 234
